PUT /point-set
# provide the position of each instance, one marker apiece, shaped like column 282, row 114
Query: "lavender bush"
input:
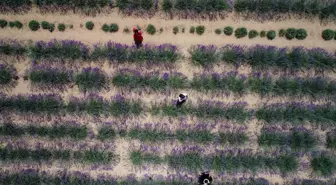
column 120, row 106
column 12, row 48
column 204, row 55
column 211, row 110
column 229, row 82
column 91, row 79
column 114, row 52
column 134, row 79
column 48, row 76
column 59, row 50
column 7, row 74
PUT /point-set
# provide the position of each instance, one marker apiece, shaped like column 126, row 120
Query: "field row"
column 290, row 112
column 34, row 177
column 189, row 159
column 296, row 138
column 189, row 8
column 43, row 155
column 259, row 57
column 196, row 160
column 240, row 32
column 94, row 80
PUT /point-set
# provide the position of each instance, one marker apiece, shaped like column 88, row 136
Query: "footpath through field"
column 183, row 40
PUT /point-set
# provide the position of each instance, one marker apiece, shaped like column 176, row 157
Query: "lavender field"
column 80, row 104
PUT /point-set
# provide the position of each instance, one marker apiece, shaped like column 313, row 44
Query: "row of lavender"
column 193, row 159
column 70, row 50
column 290, row 112
column 259, row 57
column 296, row 138
column 94, row 79
column 80, row 178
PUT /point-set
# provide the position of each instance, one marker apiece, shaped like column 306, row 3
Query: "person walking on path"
column 137, row 36
column 181, row 99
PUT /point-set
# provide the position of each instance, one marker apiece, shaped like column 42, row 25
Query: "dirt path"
column 183, row 40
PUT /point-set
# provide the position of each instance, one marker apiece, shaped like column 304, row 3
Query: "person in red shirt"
column 137, row 37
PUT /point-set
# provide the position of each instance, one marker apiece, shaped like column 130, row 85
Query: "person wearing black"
column 181, row 99
column 205, row 179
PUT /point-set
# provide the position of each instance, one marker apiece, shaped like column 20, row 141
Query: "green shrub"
column 301, row 34
column 126, row 30
column 114, row 27
column 18, row 24
column 175, row 30
column 151, row 29
column 328, row 34
column 263, row 34
column 11, row 24
column 3, row 23
column 89, row 25
column 241, row 32
column 105, row 28
column 228, row 30
column 253, row 33
column 34, row 25
column 52, row 27
column 192, row 30
column 271, row 35
column 282, row 33
column 218, row 31
column 61, row 27
column 167, row 5
column 45, row 25
column 290, row 33
column 200, row 30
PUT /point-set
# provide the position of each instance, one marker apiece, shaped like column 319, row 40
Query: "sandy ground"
column 183, row 41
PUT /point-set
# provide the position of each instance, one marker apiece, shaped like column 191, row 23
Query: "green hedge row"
column 11, row 24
